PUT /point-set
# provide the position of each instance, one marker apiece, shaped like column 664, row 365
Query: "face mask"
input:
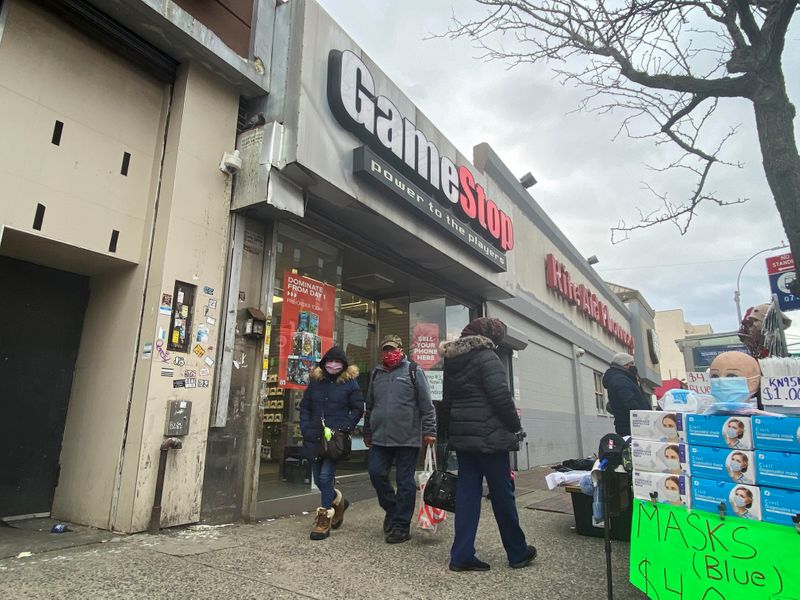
column 736, row 466
column 730, row 389
column 633, row 370
column 334, row 367
column 731, row 432
column 739, row 501
column 391, row 358
column 672, row 495
column 673, row 464
column 669, row 430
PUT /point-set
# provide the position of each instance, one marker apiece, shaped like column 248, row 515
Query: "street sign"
column 781, row 272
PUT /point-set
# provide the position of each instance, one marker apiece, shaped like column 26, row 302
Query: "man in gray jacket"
column 399, row 414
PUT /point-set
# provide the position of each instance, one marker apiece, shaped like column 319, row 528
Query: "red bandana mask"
column 391, row 358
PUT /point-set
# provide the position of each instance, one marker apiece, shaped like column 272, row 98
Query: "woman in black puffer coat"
column 482, row 425
column 332, row 396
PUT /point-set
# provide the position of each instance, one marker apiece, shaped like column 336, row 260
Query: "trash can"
column 621, row 501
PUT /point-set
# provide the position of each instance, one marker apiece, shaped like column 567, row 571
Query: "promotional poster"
column 306, row 328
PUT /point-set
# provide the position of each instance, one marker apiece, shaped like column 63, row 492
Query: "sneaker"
column 475, row 565
column 340, row 504
column 398, row 536
column 322, row 524
column 387, row 523
column 525, row 561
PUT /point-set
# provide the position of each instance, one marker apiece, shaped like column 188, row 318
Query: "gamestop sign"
column 583, row 299
column 414, row 160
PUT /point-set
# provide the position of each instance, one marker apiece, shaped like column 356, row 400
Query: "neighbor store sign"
column 400, row 159
column 584, row 299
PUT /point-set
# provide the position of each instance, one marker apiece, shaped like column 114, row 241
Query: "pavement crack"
column 255, row 579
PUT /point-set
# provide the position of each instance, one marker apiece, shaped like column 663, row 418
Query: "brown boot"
column 322, row 524
column 339, row 506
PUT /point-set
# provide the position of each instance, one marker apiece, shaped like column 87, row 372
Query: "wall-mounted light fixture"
column 527, row 180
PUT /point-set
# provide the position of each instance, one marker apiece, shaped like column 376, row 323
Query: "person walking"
column 332, row 400
column 482, row 427
column 399, row 413
column 624, row 393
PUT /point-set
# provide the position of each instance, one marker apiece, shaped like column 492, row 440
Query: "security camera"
column 231, row 162
column 579, row 351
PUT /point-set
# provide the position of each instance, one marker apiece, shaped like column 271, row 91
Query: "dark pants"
column 400, row 503
column 496, row 468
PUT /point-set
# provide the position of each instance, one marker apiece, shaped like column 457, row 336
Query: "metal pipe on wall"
column 155, row 514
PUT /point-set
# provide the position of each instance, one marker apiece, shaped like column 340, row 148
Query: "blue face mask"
column 730, row 389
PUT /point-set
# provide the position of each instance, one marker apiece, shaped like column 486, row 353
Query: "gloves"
column 520, row 435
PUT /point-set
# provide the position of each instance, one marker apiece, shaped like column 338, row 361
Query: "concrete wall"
column 171, row 214
column 49, row 73
column 190, row 245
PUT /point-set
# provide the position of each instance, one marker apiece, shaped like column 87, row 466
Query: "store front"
column 354, row 217
column 317, row 292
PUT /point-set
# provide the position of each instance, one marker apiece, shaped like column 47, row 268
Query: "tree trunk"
column 774, row 120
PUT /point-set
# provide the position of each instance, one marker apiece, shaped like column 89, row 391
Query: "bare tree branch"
column 664, row 65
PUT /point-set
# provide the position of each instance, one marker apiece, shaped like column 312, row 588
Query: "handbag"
column 337, row 446
column 429, row 519
column 440, row 489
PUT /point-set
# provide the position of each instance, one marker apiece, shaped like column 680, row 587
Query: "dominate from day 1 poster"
column 306, row 328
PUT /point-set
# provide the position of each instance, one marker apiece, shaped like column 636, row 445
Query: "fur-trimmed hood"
column 348, row 374
column 464, row 345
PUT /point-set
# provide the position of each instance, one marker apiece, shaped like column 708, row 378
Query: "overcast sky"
column 587, row 181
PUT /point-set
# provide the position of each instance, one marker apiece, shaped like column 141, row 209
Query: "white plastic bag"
column 429, row 519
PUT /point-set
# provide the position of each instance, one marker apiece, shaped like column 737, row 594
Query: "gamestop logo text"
column 379, row 123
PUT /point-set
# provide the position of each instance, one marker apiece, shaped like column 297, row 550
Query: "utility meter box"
column 178, row 414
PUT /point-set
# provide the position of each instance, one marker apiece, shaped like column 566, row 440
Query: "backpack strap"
column 412, row 373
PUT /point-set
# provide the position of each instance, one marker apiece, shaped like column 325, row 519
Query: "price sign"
column 698, row 382
column 680, row 554
column 780, row 391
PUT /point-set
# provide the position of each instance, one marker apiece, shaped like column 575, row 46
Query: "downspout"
column 577, row 390
column 155, row 514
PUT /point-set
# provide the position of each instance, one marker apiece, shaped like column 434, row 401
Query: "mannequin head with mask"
column 735, row 377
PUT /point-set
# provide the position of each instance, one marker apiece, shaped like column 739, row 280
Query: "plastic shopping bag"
column 429, row 519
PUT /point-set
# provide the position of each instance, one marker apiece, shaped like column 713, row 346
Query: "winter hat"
column 334, row 353
column 621, row 359
column 489, row 327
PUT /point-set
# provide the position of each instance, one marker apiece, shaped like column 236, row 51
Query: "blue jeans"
column 496, row 468
column 324, row 471
column 399, row 504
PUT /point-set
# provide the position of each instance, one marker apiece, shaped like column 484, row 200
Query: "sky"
column 588, row 177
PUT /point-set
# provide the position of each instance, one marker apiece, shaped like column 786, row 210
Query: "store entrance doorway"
column 40, row 332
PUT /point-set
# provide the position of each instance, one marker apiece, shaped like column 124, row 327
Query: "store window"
column 302, row 326
column 600, row 395
column 313, row 308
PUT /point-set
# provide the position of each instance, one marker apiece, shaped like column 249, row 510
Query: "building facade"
column 114, row 227
column 672, row 328
column 156, row 283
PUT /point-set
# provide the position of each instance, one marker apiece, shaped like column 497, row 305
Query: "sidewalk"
column 276, row 560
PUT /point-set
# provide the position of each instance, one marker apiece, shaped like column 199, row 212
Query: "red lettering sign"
column 559, row 280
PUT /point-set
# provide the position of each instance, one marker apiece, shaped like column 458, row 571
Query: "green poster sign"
column 677, row 554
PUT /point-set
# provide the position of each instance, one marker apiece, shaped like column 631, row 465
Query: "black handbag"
column 336, row 448
column 440, row 489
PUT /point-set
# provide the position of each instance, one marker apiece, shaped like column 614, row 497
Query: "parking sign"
column 781, row 272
